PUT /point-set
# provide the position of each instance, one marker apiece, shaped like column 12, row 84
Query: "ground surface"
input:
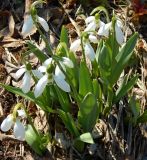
column 111, row 145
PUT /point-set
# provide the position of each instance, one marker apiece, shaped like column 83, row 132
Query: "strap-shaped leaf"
column 88, row 112
column 39, row 54
column 69, row 122
column 64, row 35
column 123, row 58
column 124, row 88
column 29, row 96
column 85, row 82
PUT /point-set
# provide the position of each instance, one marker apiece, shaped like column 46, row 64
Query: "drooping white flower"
column 119, row 33
column 18, row 127
column 28, row 25
column 90, row 23
column 105, row 29
column 57, row 76
column 26, row 81
column 89, row 51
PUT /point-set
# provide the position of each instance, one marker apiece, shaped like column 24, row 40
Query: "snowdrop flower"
column 49, row 76
column 28, row 25
column 92, row 23
column 26, row 81
column 89, row 51
column 18, row 127
column 105, row 29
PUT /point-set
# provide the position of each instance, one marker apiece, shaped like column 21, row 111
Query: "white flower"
column 26, row 81
column 90, row 23
column 18, row 127
column 58, row 76
column 28, row 25
column 89, row 51
column 105, row 29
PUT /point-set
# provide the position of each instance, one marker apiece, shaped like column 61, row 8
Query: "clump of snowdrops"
column 61, row 81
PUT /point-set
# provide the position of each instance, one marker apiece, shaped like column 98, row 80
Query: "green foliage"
column 88, row 112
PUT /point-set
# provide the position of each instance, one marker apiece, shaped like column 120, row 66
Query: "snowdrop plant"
column 62, row 81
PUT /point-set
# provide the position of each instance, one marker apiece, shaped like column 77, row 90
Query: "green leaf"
column 105, row 61
column 34, row 140
column 124, row 88
column 63, row 99
column 88, row 112
column 123, row 58
column 142, row 118
column 64, row 35
column 69, row 123
column 135, row 107
column 86, row 137
column 39, row 54
column 97, row 89
column 85, row 82
column 29, row 95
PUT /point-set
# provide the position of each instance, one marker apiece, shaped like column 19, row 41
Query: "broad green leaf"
column 86, row 137
column 34, row 140
column 39, row 54
column 105, row 61
column 123, row 58
column 97, row 89
column 85, row 82
column 124, row 88
column 64, row 35
column 88, row 112
column 69, row 123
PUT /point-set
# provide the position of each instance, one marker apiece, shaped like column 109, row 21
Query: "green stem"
column 83, row 51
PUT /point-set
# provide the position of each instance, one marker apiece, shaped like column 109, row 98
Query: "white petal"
column 21, row 113
column 104, row 30
column 91, row 27
column 61, row 83
column 89, row 19
column 7, row 123
column 67, row 62
column 19, row 130
column 39, row 88
column 47, row 62
column 42, row 69
column 75, row 45
column 27, row 26
column 89, row 51
column 43, row 23
column 119, row 24
column 119, row 34
column 37, row 73
column 20, row 72
column 93, row 39
column 26, row 84
column 59, row 73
